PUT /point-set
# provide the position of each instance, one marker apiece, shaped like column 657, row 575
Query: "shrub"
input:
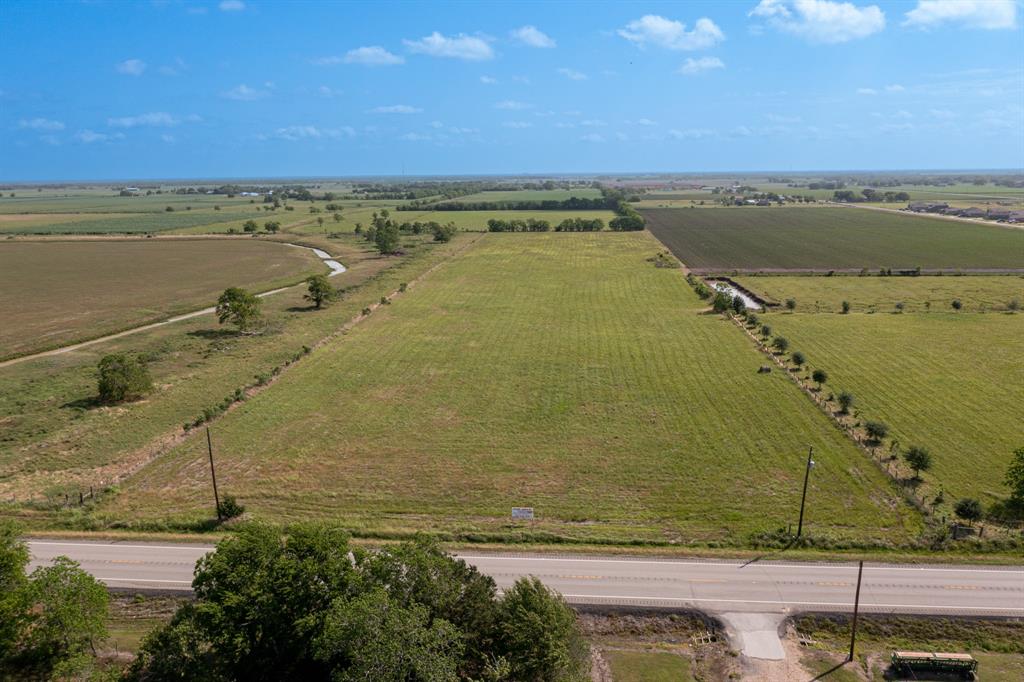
column 846, row 307
column 876, row 430
column 845, row 401
column 780, row 343
column 230, row 508
column 122, row 377
column 956, row 304
column 798, row 358
column 968, row 509
column 819, row 376
column 791, row 304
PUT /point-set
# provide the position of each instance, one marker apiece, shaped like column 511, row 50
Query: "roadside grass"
column 54, row 438
column 755, row 239
column 998, row 645
column 647, row 666
column 559, row 371
column 881, row 294
column 53, row 293
column 953, row 383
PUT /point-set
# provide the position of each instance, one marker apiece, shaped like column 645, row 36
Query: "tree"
column 238, row 306
column 272, row 226
column 320, row 290
column 819, row 376
column 798, row 359
column 721, row 302
column 846, row 401
column 250, row 226
column 846, row 307
column 738, row 306
column 957, row 305
column 538, row 632
column 780, row 343
column 122, row 377
column 337, row 217
column 919, row 459
column 1013, row 305
column 968, row 509
column 320, row 220
column 384, row 233
column 876, row 431
column 766, row 331
column 1015, row 478
column 443, row 233
column 790, row 304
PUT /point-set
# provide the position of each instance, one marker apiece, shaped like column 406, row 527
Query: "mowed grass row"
column 767, row 238
column 56, row 292
column 558, row 371
column 54, row 436
column 953, row 383
column 881, row 294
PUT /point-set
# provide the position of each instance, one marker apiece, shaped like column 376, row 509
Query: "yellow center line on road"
column 834, row 584
column 959, row 587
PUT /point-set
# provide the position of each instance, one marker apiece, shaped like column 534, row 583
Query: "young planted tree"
column 919, row 459
column 798, row 359
column 877, row 431
column 238, row 306
column 968, row 509
column 780, row 343
column 845, row 400
column 766, row 331
column 250, row 226
column 790, row 304
column 122, row 377
column 956, row 304
column 819, row 376
column 846, row 307
column 320, row 290
column 738, row 306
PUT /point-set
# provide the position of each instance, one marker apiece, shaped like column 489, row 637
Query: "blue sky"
column 97, row 90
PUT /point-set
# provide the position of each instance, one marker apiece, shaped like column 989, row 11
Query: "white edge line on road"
column 633, row 562
column 142, row 580
column 793, row 603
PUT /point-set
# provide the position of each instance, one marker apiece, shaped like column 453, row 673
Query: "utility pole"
column 803, row 498
column 213, row 472
column 856, row 609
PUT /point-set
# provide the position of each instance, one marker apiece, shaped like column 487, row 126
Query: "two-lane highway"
column 708, row 585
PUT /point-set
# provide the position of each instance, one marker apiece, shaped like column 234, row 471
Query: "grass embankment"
column 836, row 238
column 559, row 371
column 53, row 293
column 996, row 644
column 55, row 438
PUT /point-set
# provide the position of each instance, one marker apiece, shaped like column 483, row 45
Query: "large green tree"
column 238, row 306
column 319, row 290
column 122, row 377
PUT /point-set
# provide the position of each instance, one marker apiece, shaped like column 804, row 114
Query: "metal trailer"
column 907, row 663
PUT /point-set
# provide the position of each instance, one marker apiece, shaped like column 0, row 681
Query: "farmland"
column 559, row 371
column 85, row 289
column 950, row 382
column 55, row 437
column 531, row 195
column 830, row 239
column 881, row 294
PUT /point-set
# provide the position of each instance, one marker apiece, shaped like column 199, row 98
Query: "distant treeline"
column 535, row 225
column 570, row 204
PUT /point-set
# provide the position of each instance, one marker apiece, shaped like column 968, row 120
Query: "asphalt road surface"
column 770, row 587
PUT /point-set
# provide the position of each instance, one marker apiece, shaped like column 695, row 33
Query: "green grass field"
column 953, row 383
column 559, row 371
column 881, row 294
column 85, row 289
column 829, row 238
column 54, row 437
column 648, row 666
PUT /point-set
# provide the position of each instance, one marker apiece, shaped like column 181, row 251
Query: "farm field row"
column 85, row 289
column 54, row 436
column 558, row 371
column 829, row 238
column 881, row 294
column 952, row 383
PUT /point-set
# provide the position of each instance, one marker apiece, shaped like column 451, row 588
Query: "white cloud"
column 461, row 46
column 487, row 80
column 692, row 66
column 395, row 109
column 512, row 105
column 525, row 80
column 155, row 118
column 779, row 118
column 593, row 123
column 243, row 93
column 572, row 74
column 50, row 140
column 903, row 113
column 942, row 113
column 691, row 133
column 308, row 132
column 231, row 6
column 416, row 137
column 652, row 29
column 463, row 131
column 517, row 124
column 894, row 88
column 175, row 69
column 530, row 35
column 89, row 136
column 436, row 124
column 821, row 21
column 563, row 124
column 372, row 55
column 645, row 122
column 328, row 91
column 167, row 138
column 131, row 67
column 867, row 91
column 987, row 14
column 592, row 137
column 742, row 131
column 41, row 124
column 623, row 137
